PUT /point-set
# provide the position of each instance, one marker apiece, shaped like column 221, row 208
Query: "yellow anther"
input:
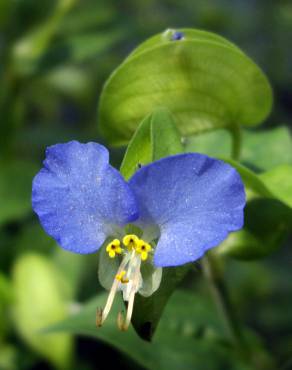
column 130, row 241
column 113, row 248
column 120, row 277
column 143, row 248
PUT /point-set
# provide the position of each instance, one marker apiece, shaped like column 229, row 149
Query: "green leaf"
column 184, row 340
column 206, row 82
column 267, row 224
column 139, row 150
column 155, row 138
column 15, row 189
column 279, row 182
column 40, row 301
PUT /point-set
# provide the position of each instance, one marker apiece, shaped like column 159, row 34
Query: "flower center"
column 128, row 278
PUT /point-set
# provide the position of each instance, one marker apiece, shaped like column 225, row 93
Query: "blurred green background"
column 55, row 56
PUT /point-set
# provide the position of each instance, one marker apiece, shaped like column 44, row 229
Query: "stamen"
column 103, row 313
column 123, row 325
column 113, row 248
column 121, row 278
column 120, row 320
column 130, row 241
column 98, row 317
column 143, row 248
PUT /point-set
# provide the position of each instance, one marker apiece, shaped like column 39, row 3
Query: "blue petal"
column 193, row 199
column 79, row 197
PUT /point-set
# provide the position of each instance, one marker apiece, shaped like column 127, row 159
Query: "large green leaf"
column 41, row 300
column 206, row 82
column 184, row 340
column 15, row 189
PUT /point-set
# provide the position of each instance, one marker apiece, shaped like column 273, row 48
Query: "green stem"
column 218, row 289
column 236, row 142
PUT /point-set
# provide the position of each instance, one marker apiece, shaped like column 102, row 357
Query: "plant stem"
column 236, row 142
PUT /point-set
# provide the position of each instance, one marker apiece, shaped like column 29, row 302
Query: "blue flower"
column 182, row 205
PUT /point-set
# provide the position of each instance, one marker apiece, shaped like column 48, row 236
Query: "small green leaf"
column 40, row 301
column 267, row 224
column 206, row 82
column 139, row 150
column 155, row 138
